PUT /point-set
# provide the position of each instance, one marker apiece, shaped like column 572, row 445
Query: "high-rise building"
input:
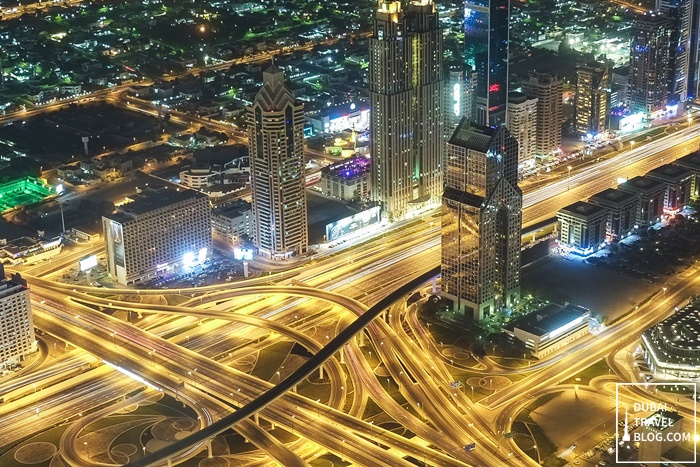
column 648, row 91
column 406, row 105
column 160, row 229
column 521, row 121
column 549, row 91
column 457, row 97
column 17, row 336
column 680, row 13
column 592, row 98
column 276, row 136
column 694, row 51
column 486, row 43
column 481, row 220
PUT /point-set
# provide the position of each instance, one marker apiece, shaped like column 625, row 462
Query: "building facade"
column 679, row 183
column 582, row 226
column 548, row 89
column 651, row 194
column 406, row 107
column 347, row 180
column 651, row 39
column 486, row 40
column 276, row 138
column 161, row 228
column 592, row 98
column 233, row 223
column 680, row 13
column 17, row 337
column 622, row 209
column 481, row 221
column 692, row 162
column 521, row 120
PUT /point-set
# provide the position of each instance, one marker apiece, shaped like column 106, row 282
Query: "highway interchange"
column 192, row 362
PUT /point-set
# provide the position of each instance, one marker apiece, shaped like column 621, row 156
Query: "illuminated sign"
column 353, row 223
column 629, row 122
column 88, row 262
column 566, row 327
column 495, row 87
column 455, row 98
column 243, row 254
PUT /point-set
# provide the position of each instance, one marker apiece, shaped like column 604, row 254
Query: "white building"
column 17, row 328
column 233, row 222
column 162, row 228
column 521, row 120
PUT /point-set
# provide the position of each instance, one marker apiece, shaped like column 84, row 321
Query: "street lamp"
column 569, row 178
column 87, row 447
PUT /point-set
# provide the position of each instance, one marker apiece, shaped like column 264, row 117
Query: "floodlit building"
column 162, row 228
column 233, row 223
column 406, row 107
column 17, row 336
column 549, row 329
column 548, row 89
column 648, row 91
column 521, row 120
column 680, row 13
column 458, row 96
column 347, row 180
column 592, row 98
column 583, row 226
column 486, row 41
column 481, row 221
column 276, row 135
column 651, row 194
column 678, row 180
column 692, row 162
column 622, row 211
column 672, row 347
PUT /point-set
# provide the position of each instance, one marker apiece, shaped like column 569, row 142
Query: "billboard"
column 88, row 262
column 243, row 254
column 353, row 223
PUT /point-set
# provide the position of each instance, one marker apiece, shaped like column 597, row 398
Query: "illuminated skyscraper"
column 406, row 99
column 486, row 49
column 275, row 132
column 17, row 336
column 522, row 123
column 548, row 89
column 648, row 91
column 481, row 221
column 592, row 98
column 680, row 13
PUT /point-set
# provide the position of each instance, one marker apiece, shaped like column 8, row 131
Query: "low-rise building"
column 672, row 347
column 348, row 180
column 662, row 431
column 199, row 176
column 692, row 162
column 650, row 194
column 549, row 329
column 234, row 222
column 622, row 211
column 583, row 226
column 29, row 250
column 678, row 180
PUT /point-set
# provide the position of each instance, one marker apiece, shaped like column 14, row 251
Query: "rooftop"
column 550, row 320
column 641, row 184
column 471, row 136
column 671, row 172
column 678, row 336
column 691, row 161
column 583, row 209
column 349, row 169
column 463, row 197
column 151, row 200
column 612, row 195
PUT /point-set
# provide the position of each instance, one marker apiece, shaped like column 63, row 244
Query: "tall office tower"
column 162, row 228
column 457, row 97
column 422, row 24
column 481, row 220
column 406, row 102
column 680, row 14
column 548, row 89
column 649, row 63
column 592, row 98
column 521, row 120
column 486, row 49
column 17, row 336
column 276, row 135
column 694, row 51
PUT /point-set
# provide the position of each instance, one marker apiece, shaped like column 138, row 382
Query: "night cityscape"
column 349, row 233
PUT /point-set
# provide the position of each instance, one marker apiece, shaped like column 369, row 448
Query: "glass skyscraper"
column 486, row 49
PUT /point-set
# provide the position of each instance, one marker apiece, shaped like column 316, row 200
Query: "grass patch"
column 53, row 436
column 175, row 300
column 585, row 376
column 529, row 433
column 270, row 359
